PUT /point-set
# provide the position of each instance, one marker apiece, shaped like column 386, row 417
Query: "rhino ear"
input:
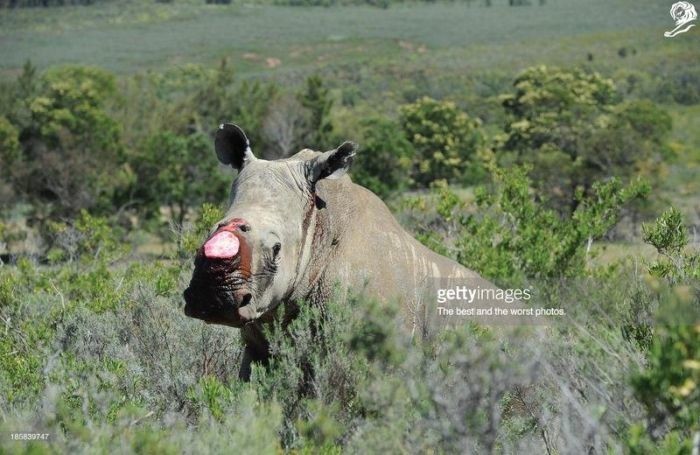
column 232, row 146
column 332, row 164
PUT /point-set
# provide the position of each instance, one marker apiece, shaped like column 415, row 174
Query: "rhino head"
column 254, row 257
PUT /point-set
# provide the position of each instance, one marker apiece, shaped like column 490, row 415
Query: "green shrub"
column 316, row 99
column 679, row 84
column 28, row 331
column 192, row 239
column 384, row 162
column 572, row 129
column 177, row 172
column 446, row 141
column 670, row 238
column 669, row 383
column 87, row 238
column 104, row 358
column 669, row 386
column 71, row 153
column 515, row 236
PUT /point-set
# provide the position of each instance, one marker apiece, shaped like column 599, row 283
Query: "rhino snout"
column 218, row 305
column 219, row 291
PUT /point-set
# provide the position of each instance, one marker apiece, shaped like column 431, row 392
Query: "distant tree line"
column 75, row 138
column 326, row 3
column 387, row 3
column 45, row 3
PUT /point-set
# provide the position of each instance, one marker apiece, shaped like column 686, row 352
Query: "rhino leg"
column 250, row 357
column 245, row 370
column 256, row 350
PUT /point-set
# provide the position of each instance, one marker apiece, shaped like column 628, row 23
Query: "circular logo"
column 683, row 12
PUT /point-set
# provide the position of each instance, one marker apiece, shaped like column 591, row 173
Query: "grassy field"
column 276, row 41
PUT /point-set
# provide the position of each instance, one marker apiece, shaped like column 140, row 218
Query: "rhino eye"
column 276, row 248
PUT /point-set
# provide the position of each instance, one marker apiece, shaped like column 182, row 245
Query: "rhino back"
column 374, row 255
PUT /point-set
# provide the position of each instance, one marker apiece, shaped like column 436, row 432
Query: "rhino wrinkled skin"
column 299, row 230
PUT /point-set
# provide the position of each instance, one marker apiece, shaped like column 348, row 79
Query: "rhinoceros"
column 299, row 230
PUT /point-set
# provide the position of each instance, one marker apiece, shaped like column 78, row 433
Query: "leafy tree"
column 217, row 98
column 10, row 155
column 250, row 107
column 195, row 99
column 209, row 101
column 71, row 153
column 177, row 172
column 180, row 110
column 384, row 163
column 678, row 84
column 446, row 140
column 317, row 100
column 573, row 130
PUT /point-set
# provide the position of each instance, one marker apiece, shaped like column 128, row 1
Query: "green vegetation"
column 178, row 172
column 445, row 139
column 512, row 237
column 317, row 100
column 521, row 155
column 572, row 130
column 669, row 387
column 69, row 145
column 386, row 162
column 134, row 373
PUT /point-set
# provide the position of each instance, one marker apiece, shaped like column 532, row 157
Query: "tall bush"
column 177, row 172
column 446, row 141
column 71, row 156
column 572, row 129
column 385, row 159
